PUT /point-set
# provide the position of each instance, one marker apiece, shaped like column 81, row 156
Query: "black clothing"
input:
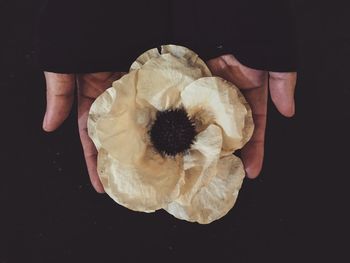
column 91, row 36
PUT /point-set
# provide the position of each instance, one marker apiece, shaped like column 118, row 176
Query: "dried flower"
column 165, row 134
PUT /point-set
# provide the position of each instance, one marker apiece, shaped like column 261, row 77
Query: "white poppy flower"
column 165, row 133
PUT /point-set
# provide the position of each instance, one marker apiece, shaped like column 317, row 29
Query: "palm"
column 255, row 84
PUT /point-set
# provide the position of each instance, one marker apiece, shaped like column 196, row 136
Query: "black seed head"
column 172, row 132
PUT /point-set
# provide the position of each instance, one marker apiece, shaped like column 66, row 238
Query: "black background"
column 294, row 212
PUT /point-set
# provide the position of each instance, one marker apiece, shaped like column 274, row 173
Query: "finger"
column 282, row 86
column 90, row 86
column 59, row 97
column 229, row 68
column 253, row 152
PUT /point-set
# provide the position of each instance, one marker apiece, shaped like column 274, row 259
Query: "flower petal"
column 144, row 57
column 215, row 199
column 122, row 132
column 192, row 58
column 200, row 163
column 215, row 100
column 146, row 185
column 100, row 108
column 161, row 80
column 177, row 51
column 122, row 138
column 162, row 76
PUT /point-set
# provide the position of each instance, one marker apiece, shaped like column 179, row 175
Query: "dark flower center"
column 172, row 132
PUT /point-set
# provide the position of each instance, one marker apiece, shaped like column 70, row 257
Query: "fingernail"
column 252, row 172
column 292, row 110
column 44, row 122
column 98, row 187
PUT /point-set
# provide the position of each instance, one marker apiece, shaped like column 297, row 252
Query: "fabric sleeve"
column 266, row 37
column 261, row 34
column 92, row 36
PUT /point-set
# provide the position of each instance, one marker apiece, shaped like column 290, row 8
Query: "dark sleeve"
column 105, row 35
column 261, row 34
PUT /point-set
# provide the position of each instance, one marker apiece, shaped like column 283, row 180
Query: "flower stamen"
column 172, row 132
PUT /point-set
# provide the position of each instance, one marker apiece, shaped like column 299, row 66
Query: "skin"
column 254, row 84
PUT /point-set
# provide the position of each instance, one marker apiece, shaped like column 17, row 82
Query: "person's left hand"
column 60, row 96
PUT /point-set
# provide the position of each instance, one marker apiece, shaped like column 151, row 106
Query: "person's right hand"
column 255, row 85
column 60, row 96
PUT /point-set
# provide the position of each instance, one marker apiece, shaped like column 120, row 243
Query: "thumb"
column 59, row 97
column 282, row 86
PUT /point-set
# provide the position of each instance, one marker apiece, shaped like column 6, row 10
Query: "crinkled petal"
column 100, row 108
column 122, row 132
column 161, row 80
column 122, row 138
column 191, row 57
column 215, row 199
column 164, row 74
column 200, row 163
column 248, row 121
column 143, row 58
column 215, row 100
column 181, row 52
column 144, row 186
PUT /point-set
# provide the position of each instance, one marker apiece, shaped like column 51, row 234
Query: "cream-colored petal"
column 105, row 105
column 122, row 138
column 162, row 76
column 191, row 58
column 215, row 199
column 215, row 100
column 100, row 108
column 143, row 58
column 123, row 131
column 201, row 161
column 161, row 80
column 145, row 186
column 248, row 121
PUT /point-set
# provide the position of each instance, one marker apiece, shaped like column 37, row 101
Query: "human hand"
column 254, row 85
column 60, row 95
